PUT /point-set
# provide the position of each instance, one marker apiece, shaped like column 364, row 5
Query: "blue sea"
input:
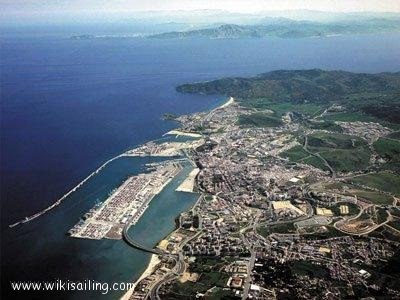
column 67, row 106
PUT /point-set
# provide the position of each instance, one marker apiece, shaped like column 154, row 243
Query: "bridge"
column 131, row 242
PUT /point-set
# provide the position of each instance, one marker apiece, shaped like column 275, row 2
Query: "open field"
column 389, row 149
column 350, row 117
column 395, row 224
column 259, row 120
column 280, row 228
column 296, row 153
column 325, row 125
column 394, row 135
column 307, row 268
column 383, row 181
column 385, row 232
column 348, row 160
column 380, row 215
column 280, row 108
column 328, row 232
column 353, row 116
column 372, row 196
column 316, row 162
column 395, row 212
column 344, row 153
column 321, row 140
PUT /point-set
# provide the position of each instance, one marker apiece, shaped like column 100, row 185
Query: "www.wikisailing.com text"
column 62, row 285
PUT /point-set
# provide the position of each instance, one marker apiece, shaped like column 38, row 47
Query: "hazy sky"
column 25, row 6
column 21, row 11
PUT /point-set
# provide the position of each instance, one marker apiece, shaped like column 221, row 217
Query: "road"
column 368, row 230
column 250, row 266
column 176, row 271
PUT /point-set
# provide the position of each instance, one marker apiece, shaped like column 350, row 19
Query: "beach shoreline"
column 183, row 133
column 178, row 132
column 154, row 261
column 230, row 101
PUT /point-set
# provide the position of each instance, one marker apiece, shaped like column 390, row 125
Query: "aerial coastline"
column 267, row 184
column 201, row 150
column 231, row 139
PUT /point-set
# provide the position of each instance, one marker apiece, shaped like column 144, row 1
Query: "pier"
column 58, row 202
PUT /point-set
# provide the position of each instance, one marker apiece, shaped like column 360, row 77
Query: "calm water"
column 67, row 106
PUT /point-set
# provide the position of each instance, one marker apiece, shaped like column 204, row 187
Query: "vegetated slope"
column 373, row 94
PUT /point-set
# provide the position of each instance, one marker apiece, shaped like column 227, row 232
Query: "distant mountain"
column 326, row 16
column 203, row 17
column 83, row 37
column 288, row 28
column 222, row 31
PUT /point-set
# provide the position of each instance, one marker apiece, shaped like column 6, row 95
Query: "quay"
column 126, row 205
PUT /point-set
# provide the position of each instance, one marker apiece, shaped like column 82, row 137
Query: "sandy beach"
column 183, row 133
column 226, row 104
column 154, row 261
column 188, row 184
